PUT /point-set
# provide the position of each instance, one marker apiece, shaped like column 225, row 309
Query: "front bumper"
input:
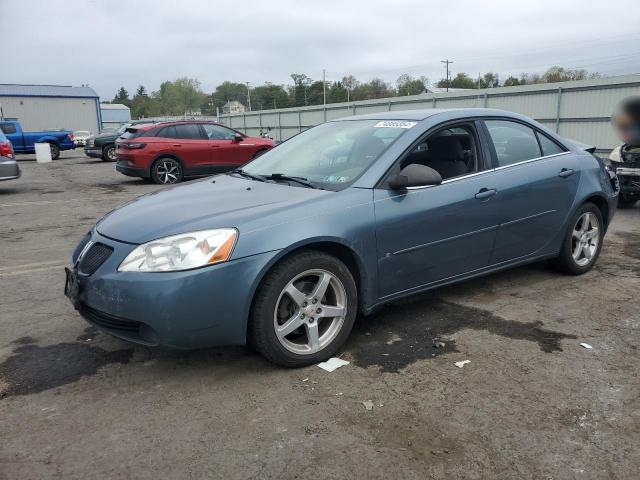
column 629, row 179
column 198, row 308
column 123, row 167
column 94, row 152
column 9, row 169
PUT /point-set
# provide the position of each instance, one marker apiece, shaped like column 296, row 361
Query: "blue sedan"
column 342, row 218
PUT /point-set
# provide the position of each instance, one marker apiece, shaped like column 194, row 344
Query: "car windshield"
column 332, row 155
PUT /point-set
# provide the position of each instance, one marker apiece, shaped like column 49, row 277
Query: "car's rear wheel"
column 583, row 241
column 166, row 171
column 55, row 151
column 109, row 153
column 625, row 202
column 304, row 310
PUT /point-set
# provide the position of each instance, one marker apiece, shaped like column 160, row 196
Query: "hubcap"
column 310, row 312
column 585, row 239
column 168, row 172
column 111, row 153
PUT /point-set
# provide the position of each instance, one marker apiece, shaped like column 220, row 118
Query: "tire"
column 624, row 202
column 273, row 306
column 55, row 151
column 109, row 153
column 166, row 171
column 573, row 258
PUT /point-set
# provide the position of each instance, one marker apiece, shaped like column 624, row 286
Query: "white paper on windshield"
column 395, row 124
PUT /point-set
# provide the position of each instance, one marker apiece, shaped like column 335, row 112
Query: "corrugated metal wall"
column 579, row 110
column 52, row 113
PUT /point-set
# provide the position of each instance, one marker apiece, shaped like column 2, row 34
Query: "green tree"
column 269, row 96
column 375, row 88
column 180, row 96
column 407, row 85
column 228, row 91
column 122, row 97
column 461, row 80
column 144, row 106
column 299, row 92
column 511, row 82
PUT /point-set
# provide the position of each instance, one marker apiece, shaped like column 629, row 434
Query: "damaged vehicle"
column 283, row 253
column 625, row 161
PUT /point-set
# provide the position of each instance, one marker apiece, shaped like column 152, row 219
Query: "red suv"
column 170, row 151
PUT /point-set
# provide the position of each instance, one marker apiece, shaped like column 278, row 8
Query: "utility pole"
column 447, row 62
column 249, row 96
column 324, row 88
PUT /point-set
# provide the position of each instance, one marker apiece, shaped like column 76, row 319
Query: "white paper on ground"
column 462, row 363
column 333, row 363
column 587, row 346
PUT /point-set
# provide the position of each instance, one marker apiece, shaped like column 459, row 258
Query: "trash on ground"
column 368, row 405
column 587, row 346
column 305, row 379
column 333, row 363
column 462, row 363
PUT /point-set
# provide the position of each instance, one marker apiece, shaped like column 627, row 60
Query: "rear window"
column 549, row 147
column 8, row 128
column 130, row 133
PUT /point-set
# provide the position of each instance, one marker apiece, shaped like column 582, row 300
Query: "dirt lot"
column 533, row 403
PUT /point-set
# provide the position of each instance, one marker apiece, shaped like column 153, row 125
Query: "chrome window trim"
column 475, row 174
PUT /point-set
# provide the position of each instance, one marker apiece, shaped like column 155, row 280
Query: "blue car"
column 340, row 219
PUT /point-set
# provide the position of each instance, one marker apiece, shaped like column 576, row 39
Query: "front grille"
column 97, row 254
column 106, row 320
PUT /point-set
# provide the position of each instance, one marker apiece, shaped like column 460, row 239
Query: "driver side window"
column 452, row 152
column 217, row 132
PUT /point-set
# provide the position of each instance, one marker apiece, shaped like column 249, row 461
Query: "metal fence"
column 579, row 110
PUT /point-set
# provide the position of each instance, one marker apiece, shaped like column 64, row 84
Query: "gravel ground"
column 533, row 403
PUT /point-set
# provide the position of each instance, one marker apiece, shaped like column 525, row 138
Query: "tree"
column 375, row 88
column 490, row 80
column 461, row 80
column 407, row 85
column 228, row 91
column 180, row 96
column 349, row 83
column 141, row 91
column 268, row 96
column 511, row 82
column 144, row 106
column 298, row 94
column 122, row 97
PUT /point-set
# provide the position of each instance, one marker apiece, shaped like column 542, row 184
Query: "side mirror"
column 237, row 138
column 415, row 175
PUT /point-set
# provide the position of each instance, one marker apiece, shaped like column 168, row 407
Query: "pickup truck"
column 24, row 142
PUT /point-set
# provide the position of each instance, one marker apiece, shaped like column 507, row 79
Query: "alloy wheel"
column 111, row 154
column 585, row 239
column 310, row 312
column 168, row 171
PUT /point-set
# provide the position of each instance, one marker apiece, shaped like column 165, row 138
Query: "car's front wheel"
column 583, row 241
column 166, row 171
column 55, row 151
column 109, row 153
column 304, row 309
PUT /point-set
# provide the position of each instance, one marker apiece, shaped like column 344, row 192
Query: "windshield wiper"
column 242, row 173
column 282, row 176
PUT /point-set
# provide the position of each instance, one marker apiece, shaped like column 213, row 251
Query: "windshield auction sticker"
column 395, row 124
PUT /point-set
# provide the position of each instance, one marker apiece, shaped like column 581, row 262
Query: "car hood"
column 214, row 202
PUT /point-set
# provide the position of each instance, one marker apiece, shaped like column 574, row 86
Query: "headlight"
column 182, row 252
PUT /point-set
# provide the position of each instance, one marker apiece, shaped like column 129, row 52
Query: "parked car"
column 170, row 151
column 341, row 219
column 9, row 168
column 80, row 137
column 24, row 142
column 104, row 146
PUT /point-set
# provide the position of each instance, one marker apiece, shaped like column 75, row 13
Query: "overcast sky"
column 108, row 43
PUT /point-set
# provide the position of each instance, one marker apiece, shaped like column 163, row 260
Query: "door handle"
column 177, row 144
column 215, row 146
column 566, row 172
column 486, row 193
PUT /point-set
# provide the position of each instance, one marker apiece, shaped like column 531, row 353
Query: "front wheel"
column 109, row 153
column 55, row 151
column 583, row 241
column 304, row 310
column 166, row 171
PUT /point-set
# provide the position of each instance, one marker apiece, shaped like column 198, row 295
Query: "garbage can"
column 43, row 152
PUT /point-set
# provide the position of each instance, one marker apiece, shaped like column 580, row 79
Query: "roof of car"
column 418, row 115
column 151, row 124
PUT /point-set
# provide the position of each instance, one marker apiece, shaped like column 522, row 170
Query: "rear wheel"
column 109, row 153
column 583, row 241
column 625, row 202
column 55, row 151
column 166, row 171
column 304, row 310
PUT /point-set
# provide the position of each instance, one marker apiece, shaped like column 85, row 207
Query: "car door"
column 226, row 149
column 538, row 179
column 429, row 235
column 189, row 143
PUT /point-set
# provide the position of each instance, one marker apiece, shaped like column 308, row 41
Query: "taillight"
column 5, row 149
column 71, row 137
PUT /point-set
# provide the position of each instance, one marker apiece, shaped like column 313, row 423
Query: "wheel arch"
column 331, row 246
column 601, row 202
column 172, row 155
